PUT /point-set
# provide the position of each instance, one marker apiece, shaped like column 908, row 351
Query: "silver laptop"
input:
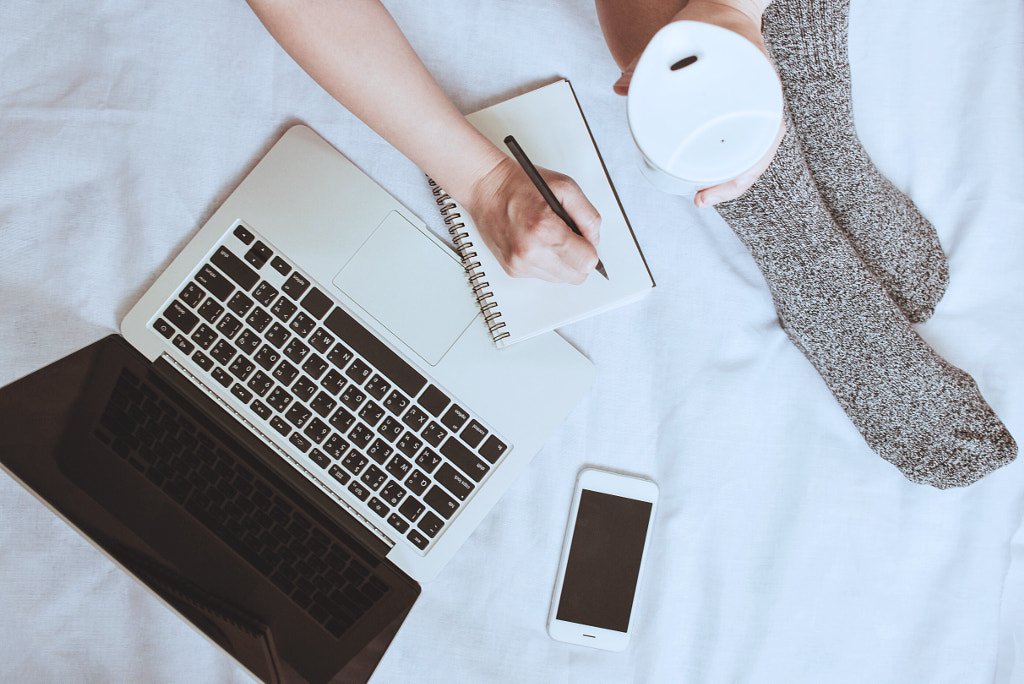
column 337, row 329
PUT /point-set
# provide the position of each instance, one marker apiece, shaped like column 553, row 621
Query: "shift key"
column 465, row 459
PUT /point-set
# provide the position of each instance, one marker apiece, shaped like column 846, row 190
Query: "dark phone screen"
column 604, row 561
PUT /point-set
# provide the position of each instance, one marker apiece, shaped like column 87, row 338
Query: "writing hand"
column 526, row 236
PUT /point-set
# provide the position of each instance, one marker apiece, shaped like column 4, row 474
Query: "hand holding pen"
column 546, row 192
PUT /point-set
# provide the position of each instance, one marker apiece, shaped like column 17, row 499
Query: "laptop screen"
column 154, row 476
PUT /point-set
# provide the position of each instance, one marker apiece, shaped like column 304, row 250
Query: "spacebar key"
column 366, row 344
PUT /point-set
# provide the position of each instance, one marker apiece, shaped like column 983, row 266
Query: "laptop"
column 303, row 418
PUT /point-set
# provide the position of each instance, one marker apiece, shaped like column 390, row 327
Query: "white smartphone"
column 603, row 559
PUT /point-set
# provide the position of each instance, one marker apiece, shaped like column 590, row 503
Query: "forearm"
column 357, row 53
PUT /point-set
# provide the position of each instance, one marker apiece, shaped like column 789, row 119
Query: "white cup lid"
column 704, row 103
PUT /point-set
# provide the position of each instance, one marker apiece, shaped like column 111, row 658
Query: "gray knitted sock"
column 807, row 40
column 915, row 410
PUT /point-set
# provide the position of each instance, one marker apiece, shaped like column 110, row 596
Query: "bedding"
column 784, row 549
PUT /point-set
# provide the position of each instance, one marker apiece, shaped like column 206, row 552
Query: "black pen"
column 549, row 196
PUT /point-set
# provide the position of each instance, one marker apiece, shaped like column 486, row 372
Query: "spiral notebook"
column 549, row 125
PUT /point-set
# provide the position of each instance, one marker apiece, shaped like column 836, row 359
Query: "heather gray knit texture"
column 915, row 410
column 807, row 39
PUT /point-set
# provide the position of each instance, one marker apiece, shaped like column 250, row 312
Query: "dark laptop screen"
column 158, row 481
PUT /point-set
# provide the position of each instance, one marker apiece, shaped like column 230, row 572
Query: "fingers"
column 723, row 192
column 576, row 204
column 527, row 236
column 621, row 86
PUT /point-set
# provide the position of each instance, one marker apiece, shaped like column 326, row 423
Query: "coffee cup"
column 704, row 106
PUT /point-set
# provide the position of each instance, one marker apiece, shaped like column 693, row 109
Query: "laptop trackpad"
column 412, row 286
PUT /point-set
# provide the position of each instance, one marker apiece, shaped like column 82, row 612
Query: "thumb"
column 621, row 86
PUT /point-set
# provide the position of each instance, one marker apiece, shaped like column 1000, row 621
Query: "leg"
column 808, row 41
column 914, row 409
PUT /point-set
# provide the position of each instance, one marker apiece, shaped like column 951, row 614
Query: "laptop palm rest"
column 412, row 286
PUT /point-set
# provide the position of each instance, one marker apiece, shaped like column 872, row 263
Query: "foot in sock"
column 808, row 41
column 914, row 409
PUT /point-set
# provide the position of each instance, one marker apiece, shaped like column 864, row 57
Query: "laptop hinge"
column 250, row 435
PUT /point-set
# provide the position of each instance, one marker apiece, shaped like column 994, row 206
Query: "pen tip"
column 600, row 269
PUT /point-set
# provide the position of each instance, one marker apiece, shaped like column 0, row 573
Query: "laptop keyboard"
column 367, row 424
column 243, row 509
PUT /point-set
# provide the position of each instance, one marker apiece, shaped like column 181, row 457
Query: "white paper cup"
column 704, row 106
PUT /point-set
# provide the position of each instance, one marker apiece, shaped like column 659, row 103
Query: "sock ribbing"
column 808, row 42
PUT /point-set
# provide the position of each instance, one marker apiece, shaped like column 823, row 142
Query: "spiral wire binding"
column 464, row 248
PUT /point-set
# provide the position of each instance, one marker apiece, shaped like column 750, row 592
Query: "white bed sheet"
column 785, row 550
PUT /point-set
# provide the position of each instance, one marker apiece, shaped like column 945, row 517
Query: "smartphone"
column 603, row 558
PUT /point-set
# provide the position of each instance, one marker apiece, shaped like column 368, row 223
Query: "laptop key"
column 441, row 502
column 428, row 460
column 210, row 310
column 378, row 507
column 339, row 475
column 243, row 395
column 321, row 340
column 192, row 294
column 316, row 303
column 258, row 254
column 300, row 442
column 265, row 294
column 280, row 265
column 473, row 434
column 295, row 285
column 318, row 457
column 235, row 268
column 184, row 345
column 204, row 336
column 279, row 399
column 180, row 317
column 430, row 524
column 243, row 234
column 284, row 309
column 202, row 360
column 454, row 481
column 373, row 477
column 240, row 304
column 418, row 540
column 164, row 328
column 434, row 433
column 379, row 451
column 377, row 387
column 434, row 400
column 360, row 492
column 266, row 357
column 247, row 341
column 367, row 345
column 354, row 462
column 241, row 368
column 411, row 509
column 258, row 319
column 455, row 418
column 296, row 350
column 417, row 483
column 492, row 449
column 466, row 460
column 335, row 447
column 222, row 376
column 297, row 415
column 277, row 335
column 398, row 523
column 302, row 324
column 214, row 282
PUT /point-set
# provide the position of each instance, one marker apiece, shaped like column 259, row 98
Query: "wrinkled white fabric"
column 784, row 550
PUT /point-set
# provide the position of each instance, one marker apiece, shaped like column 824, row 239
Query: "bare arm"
column 358, row 54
